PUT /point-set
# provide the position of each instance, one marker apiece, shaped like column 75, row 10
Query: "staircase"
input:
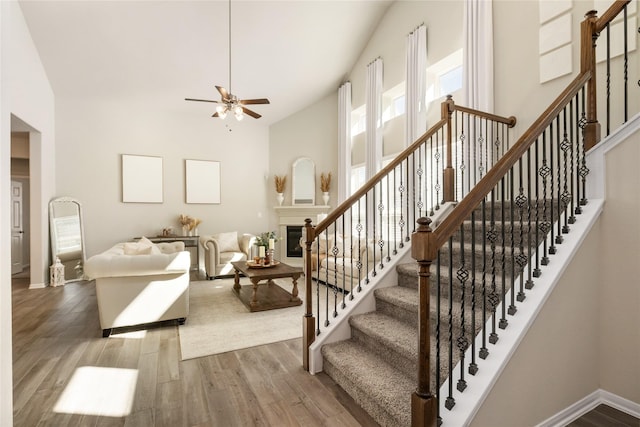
column 377, row 365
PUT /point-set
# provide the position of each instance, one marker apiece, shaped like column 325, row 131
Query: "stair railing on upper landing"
column 361, row 236
column 488, row 251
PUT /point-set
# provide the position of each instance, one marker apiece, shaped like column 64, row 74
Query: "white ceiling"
column 293, row 52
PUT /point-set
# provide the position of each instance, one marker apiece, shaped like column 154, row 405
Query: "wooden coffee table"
column 263, row 293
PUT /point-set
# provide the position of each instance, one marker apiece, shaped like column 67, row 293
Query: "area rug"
column 219, row 322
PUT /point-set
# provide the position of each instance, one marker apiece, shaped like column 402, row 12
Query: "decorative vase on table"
column 280, row 198
column 325, row 197
column 185, row 230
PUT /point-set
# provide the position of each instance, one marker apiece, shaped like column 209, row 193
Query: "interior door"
column 17, row 229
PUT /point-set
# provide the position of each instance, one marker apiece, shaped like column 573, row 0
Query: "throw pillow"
column 133, row 248
column 227, row 242
column 142, row 247
column 144, row 242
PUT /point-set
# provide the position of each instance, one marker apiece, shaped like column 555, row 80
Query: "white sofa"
column 341, row 269
column 223, row 248
column 140, row 282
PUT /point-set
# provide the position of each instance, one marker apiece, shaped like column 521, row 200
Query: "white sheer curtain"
column 374, row 118
column 344, row 142
column 478, row 54
column 416, row 75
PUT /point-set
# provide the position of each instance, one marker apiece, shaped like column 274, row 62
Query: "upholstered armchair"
column 223, row 248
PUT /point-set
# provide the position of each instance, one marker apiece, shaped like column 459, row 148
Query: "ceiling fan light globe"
column 239, row 117
column 222, row 114
column 238, row 110
column 220, row 109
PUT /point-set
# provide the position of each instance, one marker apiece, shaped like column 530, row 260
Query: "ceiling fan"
column 229, row 103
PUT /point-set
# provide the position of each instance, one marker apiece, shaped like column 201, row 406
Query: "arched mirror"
column 303, row 189
column 67, row 236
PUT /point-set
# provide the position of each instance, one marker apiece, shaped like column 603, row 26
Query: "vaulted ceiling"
column 293, row 52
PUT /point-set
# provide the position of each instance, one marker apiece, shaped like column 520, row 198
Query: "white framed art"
column 202, row 181
column 141, row 179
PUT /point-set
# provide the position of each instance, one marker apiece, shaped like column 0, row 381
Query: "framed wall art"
column 141, row 179
column 202, row 181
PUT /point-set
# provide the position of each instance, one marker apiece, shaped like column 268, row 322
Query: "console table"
column 189, row 242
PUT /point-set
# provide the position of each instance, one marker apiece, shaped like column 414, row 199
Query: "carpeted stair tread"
column 389, row 333
column 374, row 384
column 401, row 296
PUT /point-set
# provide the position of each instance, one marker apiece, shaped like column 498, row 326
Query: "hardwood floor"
column 605, row 416
column 66, row 374
column 57, row 341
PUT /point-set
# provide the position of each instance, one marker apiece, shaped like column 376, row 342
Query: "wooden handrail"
column 484, row 186
column 344, row 206
column 610, row 14
column 448, row 107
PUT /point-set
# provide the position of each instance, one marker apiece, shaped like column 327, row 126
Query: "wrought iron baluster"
column 512, row 283
column 473, row 366
column 335, row 251
column 565, row 196
column 438, row 323
column 573, row 132
column 343, row 304
column 402, row 221
column 419, row 174
column 503, row 292
column 537, row 272
column 484, row 351
column 318, row 285
column 626, row 65
column 552, row 144
column 439, row 171
column 395, row 216
column 380, row 242
column 462, row 342
column 366, row 236
column 608, row 80
column 558, row 146
column 494, row 297
column 522, row 202
column 460, row 163
column 544, row 225
column 450, row 401
column 583, row 171
column 351, row 270
column 529, row 283
column 359, row 229
column 433, row 175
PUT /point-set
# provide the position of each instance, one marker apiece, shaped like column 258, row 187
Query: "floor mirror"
column 67, row 236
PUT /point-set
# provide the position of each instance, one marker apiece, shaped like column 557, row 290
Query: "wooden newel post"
column 588, row 36
column 424, row 405
column 308, row 321
column 449, row 174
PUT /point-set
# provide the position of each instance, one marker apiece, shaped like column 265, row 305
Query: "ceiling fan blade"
column 202, row 100
column 254, row 101
column 215, row 114
column 251, row 113
column 224, row 93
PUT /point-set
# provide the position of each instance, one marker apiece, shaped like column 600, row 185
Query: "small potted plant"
column 280, row 182
column 325, row 186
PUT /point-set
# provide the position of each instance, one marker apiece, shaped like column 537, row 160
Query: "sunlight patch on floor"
column 99, row 391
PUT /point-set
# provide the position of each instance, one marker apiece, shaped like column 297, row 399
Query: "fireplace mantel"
column 307, row 211
column 295, row 215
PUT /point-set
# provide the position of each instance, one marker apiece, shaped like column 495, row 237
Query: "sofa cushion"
column 227, row 242
column 143, row 246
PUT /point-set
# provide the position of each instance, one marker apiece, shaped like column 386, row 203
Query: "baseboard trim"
column 587, row 404
column 37, row 285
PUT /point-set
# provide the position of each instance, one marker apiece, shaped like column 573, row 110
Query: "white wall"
column 24, row 92
column 312, row 132
column 92, row 134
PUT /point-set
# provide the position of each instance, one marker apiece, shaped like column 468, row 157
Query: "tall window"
column 444, row 77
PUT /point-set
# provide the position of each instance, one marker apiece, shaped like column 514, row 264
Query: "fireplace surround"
column 290, row 222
